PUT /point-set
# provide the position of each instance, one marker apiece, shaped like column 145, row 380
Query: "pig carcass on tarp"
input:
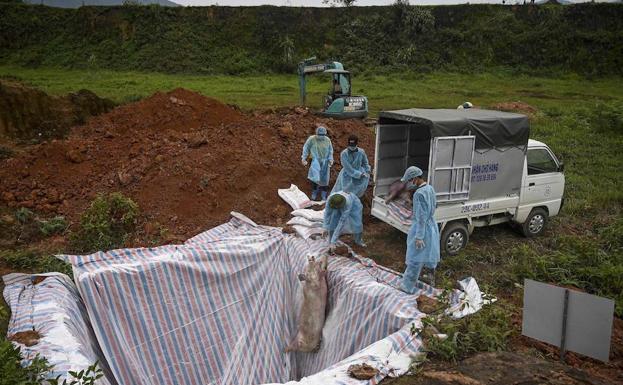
column 221, row 308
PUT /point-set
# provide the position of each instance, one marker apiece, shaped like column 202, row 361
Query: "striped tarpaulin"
column 401, row 210
column 221, row 308
column 54, row 309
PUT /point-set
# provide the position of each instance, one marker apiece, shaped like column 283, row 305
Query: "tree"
column 287, row 45
column 344, row 3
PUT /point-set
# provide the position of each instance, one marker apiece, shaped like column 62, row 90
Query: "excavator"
column 338, row 103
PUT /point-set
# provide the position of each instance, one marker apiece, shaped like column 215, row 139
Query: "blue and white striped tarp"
column 221, row 308
column 54, row 309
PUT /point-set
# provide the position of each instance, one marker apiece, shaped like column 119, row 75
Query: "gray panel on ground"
column 542, row 311
column 589, row 325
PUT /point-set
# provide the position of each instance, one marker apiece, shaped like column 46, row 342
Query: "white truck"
column 483, row 167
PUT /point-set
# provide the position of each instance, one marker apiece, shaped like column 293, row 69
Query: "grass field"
column 580, row 119
column 384, row 91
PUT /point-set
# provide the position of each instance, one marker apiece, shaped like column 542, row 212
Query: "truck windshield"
column 540, row 162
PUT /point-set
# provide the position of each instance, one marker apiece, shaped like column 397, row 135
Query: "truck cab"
column 482, row 165
column 542, row 188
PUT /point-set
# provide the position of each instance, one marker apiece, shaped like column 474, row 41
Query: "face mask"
column 411, row 186
column 352, row 148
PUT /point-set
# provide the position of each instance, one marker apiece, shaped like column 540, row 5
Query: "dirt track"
column 186, row 159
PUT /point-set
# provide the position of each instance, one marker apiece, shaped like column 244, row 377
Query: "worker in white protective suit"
column 423, row 237
column 319, row 148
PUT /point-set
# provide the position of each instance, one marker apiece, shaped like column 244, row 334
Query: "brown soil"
column 362, row 371
column 30, row 114
column 186, row 159
column 428, row 305
column 342, row 250
column 520, row 107
column 499, row 369
column 28, row 338
column 38, row 279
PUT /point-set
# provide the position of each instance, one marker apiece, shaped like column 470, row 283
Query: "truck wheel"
column 454, row 238
column 535, row 223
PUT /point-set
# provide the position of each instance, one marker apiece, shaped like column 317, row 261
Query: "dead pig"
column 312, row 314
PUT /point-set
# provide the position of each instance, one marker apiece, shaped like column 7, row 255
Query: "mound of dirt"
column 27, row 113
column 520, row 107
column 186, row 159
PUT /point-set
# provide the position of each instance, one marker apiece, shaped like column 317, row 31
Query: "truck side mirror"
column 561, row 167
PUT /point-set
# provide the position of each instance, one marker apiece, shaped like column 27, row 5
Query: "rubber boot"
column 358, row 239
column 314, row 195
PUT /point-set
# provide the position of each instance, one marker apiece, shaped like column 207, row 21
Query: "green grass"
column 384, row 91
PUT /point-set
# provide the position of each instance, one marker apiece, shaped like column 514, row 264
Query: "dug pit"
column 222, row 308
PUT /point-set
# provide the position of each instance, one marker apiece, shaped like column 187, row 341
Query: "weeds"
column 23, row 215
column 86, row 376
column 13, row 373
column 37, row 370
column 576, row 261
column 612, row 236
column 106, row 224
column 488, row 330
column 35, row 262
column 56, row 225
column 20, row 259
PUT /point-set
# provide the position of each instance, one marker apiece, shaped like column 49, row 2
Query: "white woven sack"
column 311, row 215
column 304, row 222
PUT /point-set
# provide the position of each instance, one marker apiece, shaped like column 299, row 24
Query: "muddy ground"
column 186, row 159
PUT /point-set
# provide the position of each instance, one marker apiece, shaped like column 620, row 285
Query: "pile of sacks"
column 306, row 222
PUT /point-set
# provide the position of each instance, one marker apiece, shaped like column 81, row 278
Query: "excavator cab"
column 338, row 103
column 340, row 86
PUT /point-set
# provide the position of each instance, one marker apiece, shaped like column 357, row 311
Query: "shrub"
column 13, row 373
column 31, row 260
column 37, row 370
column 56, row 225
column 20, row 259
column 106, row 224
column 488, row 330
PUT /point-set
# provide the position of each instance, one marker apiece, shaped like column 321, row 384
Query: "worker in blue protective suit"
column 319, row 148
column 423, row 237
column 343, row 215
column 355, row 173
